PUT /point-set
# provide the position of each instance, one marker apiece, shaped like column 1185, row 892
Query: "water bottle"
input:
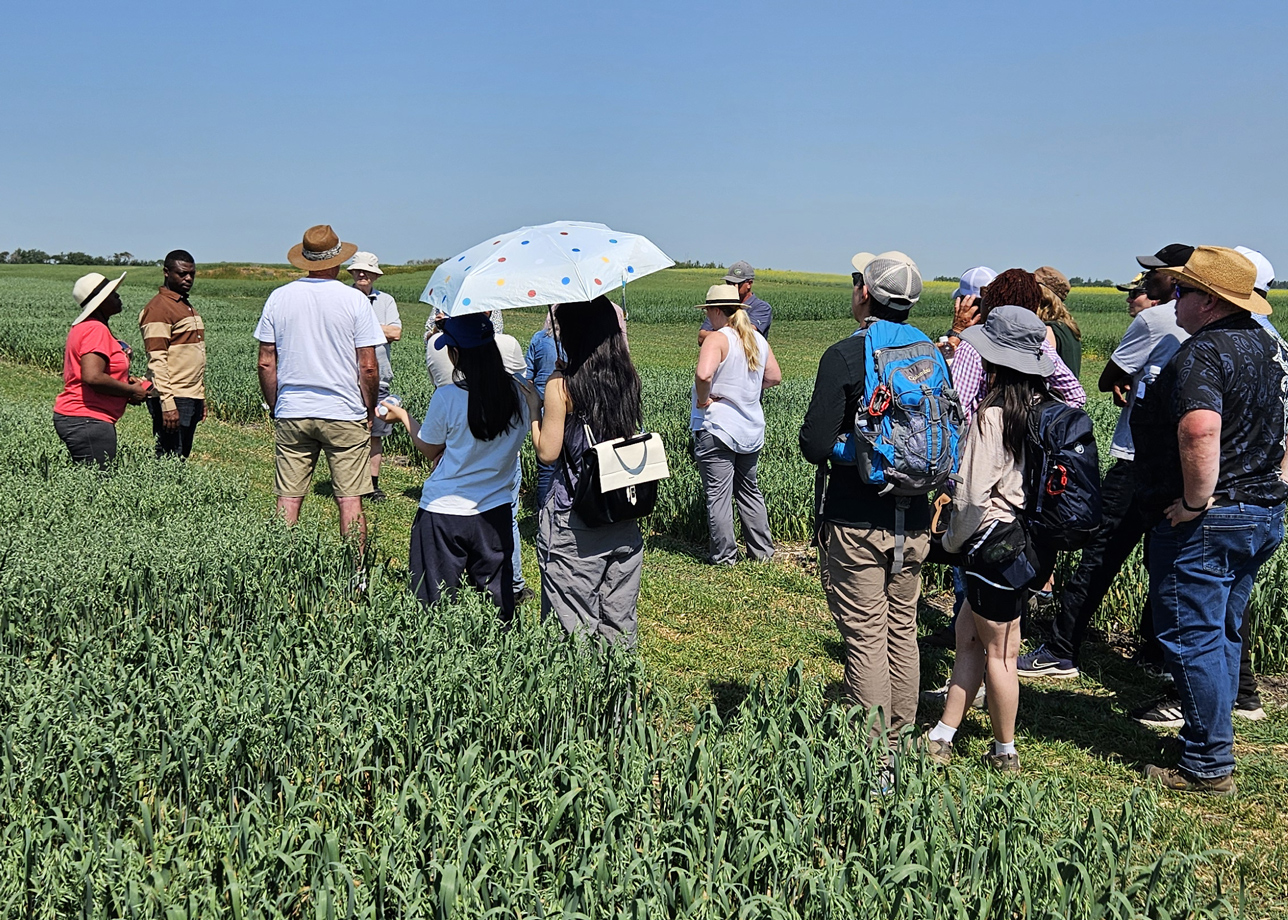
column 383, row 409
column 1150, row 376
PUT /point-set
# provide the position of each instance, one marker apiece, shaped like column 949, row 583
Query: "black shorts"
column 988, row 587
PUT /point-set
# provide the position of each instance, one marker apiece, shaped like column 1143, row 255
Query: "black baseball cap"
column 1173, row 255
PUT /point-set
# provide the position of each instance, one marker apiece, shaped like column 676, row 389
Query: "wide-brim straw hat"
column 1222, row 273
column 1012, row 337
column 90, row 291
column 721, row 295
column 320, row 250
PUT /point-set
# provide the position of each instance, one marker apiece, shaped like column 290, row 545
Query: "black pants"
column 445, row 547
column 1122, row 526
column 176, row 442
column 88, row 440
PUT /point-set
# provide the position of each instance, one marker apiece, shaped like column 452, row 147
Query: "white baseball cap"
column 364, row 262
column 1265, row 271
column 974, row 280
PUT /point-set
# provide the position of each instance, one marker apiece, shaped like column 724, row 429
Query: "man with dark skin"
column 175, row 339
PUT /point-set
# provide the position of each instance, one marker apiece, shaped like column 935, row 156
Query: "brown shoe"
column 940, row 752
column 1005, row 763
column 1180, row 781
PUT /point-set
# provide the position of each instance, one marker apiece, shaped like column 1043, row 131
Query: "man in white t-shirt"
column 1149, row 343
column 319, row 375
column 365, row 269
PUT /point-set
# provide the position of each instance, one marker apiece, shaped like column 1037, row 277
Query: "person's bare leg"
column 968, row 669
column 1002, row 643
column 352, row 520
column 377, row 448
column 289, row 508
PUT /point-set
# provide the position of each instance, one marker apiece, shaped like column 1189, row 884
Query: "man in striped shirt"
column 175, row 340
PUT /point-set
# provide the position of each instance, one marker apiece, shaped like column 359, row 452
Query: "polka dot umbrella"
column 561, row 262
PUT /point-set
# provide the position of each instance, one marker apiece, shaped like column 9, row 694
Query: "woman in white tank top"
column 735, row 365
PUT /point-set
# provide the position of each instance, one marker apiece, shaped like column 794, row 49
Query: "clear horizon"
column 789, row 137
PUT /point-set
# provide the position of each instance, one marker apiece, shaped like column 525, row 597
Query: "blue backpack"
column 908, row 429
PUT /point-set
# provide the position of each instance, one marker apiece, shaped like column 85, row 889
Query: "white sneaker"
column 941, row 695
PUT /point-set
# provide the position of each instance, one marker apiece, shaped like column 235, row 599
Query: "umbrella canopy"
column 561, row 262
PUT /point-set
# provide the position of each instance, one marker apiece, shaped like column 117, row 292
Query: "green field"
column 201, row 716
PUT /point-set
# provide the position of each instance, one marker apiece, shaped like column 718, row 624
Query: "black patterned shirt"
column 1235, row 368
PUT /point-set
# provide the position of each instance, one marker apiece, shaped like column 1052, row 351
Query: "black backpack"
column 1062, row 477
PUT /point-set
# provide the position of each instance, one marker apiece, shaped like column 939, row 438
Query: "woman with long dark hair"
column 590, row 576
column 1001, row 563
column 472, row 432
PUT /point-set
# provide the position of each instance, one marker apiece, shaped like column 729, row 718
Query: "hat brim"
column 736, row 304
column 730, row 279
column 1252, row 302
column 861, row 261
column 1023, row 361
column 361, row 268
column 296, row 258
column 87, row 310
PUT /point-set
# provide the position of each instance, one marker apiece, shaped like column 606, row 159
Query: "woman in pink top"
column 97, row 384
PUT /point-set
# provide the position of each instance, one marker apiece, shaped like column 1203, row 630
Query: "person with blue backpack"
column 998, row 525
column 882, row 427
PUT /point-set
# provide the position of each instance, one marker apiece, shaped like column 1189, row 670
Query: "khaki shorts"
column 297, row 442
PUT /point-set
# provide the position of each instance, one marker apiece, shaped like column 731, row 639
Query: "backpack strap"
column 900, row 508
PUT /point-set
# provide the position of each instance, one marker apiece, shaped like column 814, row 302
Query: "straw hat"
column 90, row 291
column 320, row 250
column 721, row 295
column 1223, row 273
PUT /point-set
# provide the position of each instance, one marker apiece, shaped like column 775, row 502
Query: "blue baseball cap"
column 974, row 280
column 468, row 331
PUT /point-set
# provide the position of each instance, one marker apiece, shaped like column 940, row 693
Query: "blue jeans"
column 1201, row 576
column 517, row 558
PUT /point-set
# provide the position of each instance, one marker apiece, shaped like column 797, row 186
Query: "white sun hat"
column 364, row 262
column 90, row 291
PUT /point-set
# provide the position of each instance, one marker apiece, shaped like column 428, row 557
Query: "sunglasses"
column 1180, row 290
column 858, row 278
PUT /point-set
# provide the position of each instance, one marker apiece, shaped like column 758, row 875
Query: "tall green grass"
column 204, row 714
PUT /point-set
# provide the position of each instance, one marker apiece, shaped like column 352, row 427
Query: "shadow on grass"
column 727, row 696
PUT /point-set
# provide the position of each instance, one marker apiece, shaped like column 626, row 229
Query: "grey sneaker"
column 1180, row 781
column 1164, row 713
column 1005, row 763
column 940, row 752
column 941, row 695
column 1249, row 707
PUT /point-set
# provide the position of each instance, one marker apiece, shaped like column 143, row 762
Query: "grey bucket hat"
column 1012, row 337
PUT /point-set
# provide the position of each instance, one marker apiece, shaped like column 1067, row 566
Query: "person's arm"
column 268, row 375
column 1198, row 438
column 703, row 335
column 825, row 417
column 980, row 469
column 392, row 333
column 1064, row 385
column 714, row 350
column 548, row 426
column 773, row 373
column 94, row 374
column 430, row 452
column 1112, row 378
column 965, row 315
column 156, row 342
column 368, row 378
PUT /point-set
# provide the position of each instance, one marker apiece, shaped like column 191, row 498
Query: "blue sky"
column 790, row 135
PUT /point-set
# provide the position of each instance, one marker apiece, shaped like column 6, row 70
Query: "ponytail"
column 740, row 324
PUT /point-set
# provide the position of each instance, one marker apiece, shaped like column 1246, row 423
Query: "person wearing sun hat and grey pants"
column 872, row 599
column 365, row 269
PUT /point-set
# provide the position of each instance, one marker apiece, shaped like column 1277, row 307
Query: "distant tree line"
column 40, row 257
